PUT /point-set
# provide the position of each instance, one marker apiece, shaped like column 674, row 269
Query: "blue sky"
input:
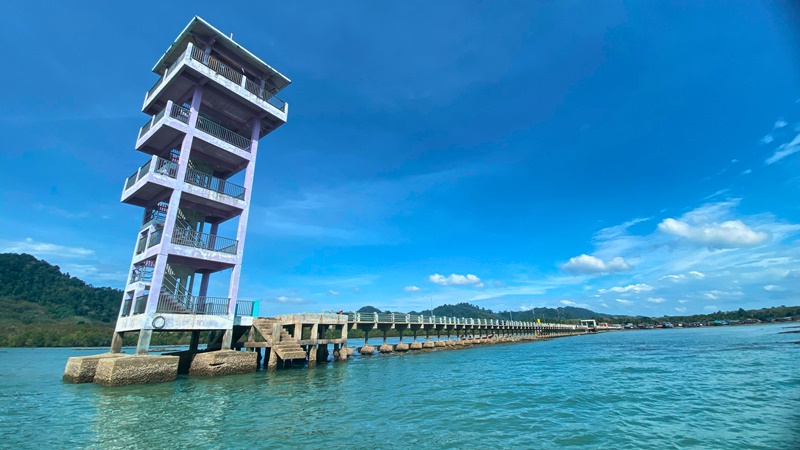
column 626, row 157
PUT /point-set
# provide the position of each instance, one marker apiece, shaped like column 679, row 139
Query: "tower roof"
column 202, row 31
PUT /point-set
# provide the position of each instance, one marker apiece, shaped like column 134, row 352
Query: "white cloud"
column 455, row 279
column 680, row 309
column 571, row 303
column 674, row 278
column 42, row 249
column 728, row 234
column 285, row 299
column 681, row 277
column 747, row 172
column 711, row 308
column 683, row 301
column 411, row 289
column 766, row 139
column 780, row 123
column 605, row 305
column 773, row 288
column 334, row 293
column 624, row 302
column 656, row 300
column 586, row 264
column 480, row 286
column 629, row 288
column 785, row 150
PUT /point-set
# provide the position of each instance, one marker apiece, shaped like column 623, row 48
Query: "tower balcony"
column 190, row 248
column 194, row 66
column 167, row 128
column 155, row 177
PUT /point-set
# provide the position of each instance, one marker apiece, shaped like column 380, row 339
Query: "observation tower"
column 213, row 103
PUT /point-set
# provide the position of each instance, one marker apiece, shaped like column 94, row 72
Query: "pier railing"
column 397, row 318
column 192, row 304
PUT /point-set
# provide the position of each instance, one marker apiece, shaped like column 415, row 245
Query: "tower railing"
column 155, row 237
column 141, row 274
column 191, row 238
column 161, row 167
column 226, row 72
column 218, row 131
column 140, row 305
column 192, row 304
column 213, row 183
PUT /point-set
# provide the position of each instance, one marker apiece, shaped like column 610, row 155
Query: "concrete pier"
column 81, row 369
column 137, row 369
column 223, row 362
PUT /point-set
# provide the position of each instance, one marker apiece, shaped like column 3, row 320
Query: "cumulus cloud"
column 334, row 293
column 680, row 309
column 656, row 300
column 728, row 234
column 587, row 264
column 411, row 289
column 785, row 150
column 624, row 302
column 629, row 288
column 455, row 280
column 568, row 303
column 43, row 249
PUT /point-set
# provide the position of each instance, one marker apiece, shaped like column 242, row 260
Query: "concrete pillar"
column 194, row 341
column 116, row 342
column 272, row 364
column 144, row 342
column 344, row 353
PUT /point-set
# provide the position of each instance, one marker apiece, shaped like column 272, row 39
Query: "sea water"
column 719, row 387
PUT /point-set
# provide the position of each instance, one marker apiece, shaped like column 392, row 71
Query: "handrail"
column 192, row 304
column 216, row 65
column 155, row 238
column 220, row 132
column 140, row 305
column 191, row 238
column 141, row 274
column 162, row 167
column 141, row 245
column 227, row 72
column 179, row 112
column 126, row 308
column 213, row 183
column 244, row 307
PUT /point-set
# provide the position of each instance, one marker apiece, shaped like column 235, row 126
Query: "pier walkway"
column 307, row 337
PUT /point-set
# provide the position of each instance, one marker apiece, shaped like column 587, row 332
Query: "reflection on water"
column 703, row 388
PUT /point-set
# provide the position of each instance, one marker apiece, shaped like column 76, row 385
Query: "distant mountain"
column 469, row 310
column 33, row 290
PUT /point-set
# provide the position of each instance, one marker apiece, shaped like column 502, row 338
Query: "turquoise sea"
column 723, row 387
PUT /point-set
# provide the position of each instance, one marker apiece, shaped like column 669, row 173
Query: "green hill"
column 34, row 291
column 42, row 307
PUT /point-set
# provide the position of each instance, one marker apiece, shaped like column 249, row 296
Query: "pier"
column 306, row 337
